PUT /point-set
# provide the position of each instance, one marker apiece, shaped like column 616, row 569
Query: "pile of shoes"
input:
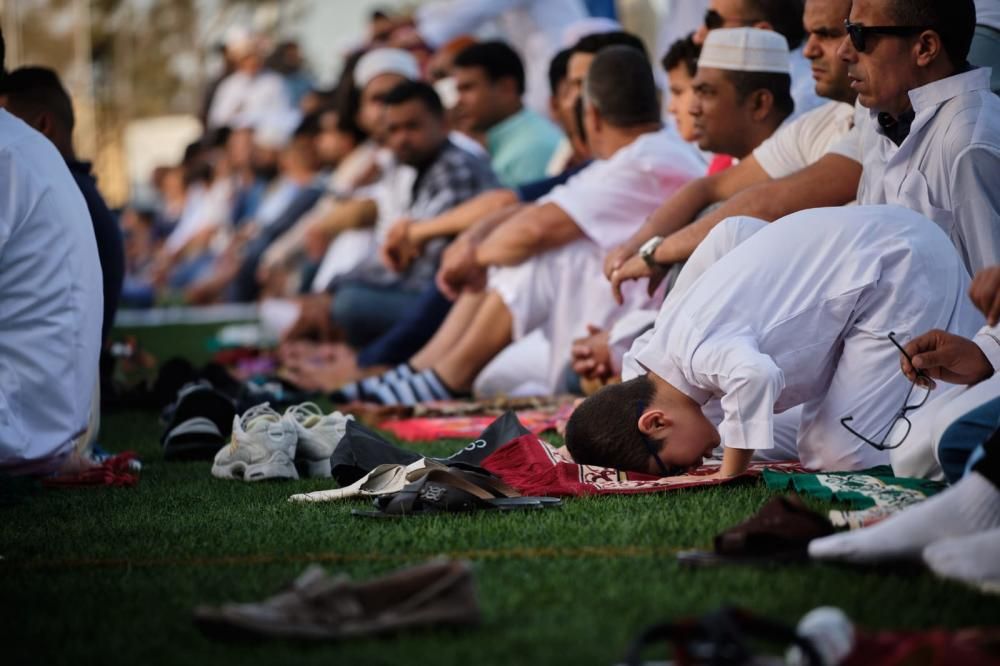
column 268, row 445
column 317, row 606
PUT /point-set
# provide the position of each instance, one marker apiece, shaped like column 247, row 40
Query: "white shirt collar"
column 936, row 93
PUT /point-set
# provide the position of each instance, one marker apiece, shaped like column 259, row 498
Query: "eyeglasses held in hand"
column 893, row 435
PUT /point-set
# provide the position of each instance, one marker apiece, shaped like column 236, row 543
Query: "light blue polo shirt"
column 521, row 146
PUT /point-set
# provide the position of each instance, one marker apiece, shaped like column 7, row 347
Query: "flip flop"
column 383, row 480
column 445, row 491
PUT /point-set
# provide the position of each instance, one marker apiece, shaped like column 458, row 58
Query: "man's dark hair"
column 620, row 86
column 682, row 52
column 38, row 89
column 497, row 58
column 308, row 127
column 558, row 67
column 953, row 20
column 784, row 15
column 604, row 429
column 779, row 85
column 601, row 40
column 408, row 91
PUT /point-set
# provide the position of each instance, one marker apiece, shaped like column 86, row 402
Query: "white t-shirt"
column 51, row 303
column 252, row 101
column 803, row 141
column 609, row 198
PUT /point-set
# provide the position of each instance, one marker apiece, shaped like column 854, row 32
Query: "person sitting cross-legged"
column 547, row 257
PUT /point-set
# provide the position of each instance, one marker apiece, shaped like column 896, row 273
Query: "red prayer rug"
column 533, row 467
column 469, row 427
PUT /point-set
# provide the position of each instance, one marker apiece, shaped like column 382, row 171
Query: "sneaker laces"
column 304, row 411
column 261, row 411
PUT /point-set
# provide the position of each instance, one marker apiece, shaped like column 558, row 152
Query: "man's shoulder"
column 662, row 149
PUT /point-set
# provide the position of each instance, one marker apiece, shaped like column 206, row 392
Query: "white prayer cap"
column 385, row 61
column 239, row 41
column 745, row 50
column 592, row 25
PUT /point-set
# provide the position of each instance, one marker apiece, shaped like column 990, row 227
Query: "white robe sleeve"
column 976, row 200
column 988, row 339
column 749, row 382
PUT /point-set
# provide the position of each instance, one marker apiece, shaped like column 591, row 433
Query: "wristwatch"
column 648, row 249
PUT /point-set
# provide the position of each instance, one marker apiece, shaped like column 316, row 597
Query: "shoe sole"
column 277, row 466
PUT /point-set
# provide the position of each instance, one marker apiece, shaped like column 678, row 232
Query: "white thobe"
column 563, row 290
column 799, row 313
column 51, row 303
column 946, row 168
column 255, row 101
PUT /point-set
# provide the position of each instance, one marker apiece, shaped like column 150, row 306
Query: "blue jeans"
column 366, row 312
column 415, row 326
column 964, row 436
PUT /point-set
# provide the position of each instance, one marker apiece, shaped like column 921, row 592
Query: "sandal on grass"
column 450, row 491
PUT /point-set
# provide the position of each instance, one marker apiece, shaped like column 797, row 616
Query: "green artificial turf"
column 111, row 576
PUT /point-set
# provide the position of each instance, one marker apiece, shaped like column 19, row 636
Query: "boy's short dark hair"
column 682, row 52
column 604, row 429
column 601, row 40
column 496, row 58
column 416, row 90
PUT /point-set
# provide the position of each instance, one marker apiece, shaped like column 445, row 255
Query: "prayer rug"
column 464, row 427
column 871, row 495
column 533, row 467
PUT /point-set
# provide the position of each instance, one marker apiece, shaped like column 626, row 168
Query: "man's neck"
column 510, row 111
column 902, row 104
column 616, row 138
column 757, row 134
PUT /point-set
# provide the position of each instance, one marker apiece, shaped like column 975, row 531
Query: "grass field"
column 110, row 576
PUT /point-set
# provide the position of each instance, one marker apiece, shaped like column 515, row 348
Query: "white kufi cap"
column 377, row 62
column 745, row 50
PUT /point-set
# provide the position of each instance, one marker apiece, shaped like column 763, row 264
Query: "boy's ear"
column 654, row 423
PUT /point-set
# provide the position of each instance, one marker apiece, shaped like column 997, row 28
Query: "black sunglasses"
column 858, row 33
column 893, row 435
column 714, row 20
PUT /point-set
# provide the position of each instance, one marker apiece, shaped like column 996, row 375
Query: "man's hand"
column 985, row 293
column 616, row 258
column 592, row 356
column 399, row 249
column 315, row 240
column 635, row 269
column 460, row 271
column 945, row 356
column 314, row 319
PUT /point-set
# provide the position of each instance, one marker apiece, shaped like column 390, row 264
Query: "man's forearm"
column 535, row 230
column 350, row 214
column 833, row 181
column 464, row 216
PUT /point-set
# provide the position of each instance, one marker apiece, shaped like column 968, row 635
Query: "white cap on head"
column 385, row 61
column 745, row 50
column 239, row 41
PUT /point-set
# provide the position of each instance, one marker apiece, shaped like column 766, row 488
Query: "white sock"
column 973, row 560
column 970, row 506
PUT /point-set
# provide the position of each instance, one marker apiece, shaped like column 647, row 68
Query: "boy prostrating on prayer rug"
column 765, row 318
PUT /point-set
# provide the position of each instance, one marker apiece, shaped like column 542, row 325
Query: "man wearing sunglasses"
column 781, row 16
column 767, row 317
column 928, row 136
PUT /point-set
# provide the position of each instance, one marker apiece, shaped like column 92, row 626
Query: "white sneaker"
column 319, row 434
column 262, row 447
